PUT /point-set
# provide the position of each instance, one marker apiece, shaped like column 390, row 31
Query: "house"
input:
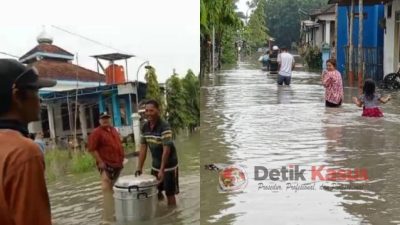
column 372, row 39
column 320, row 27
column 72, row 107
column 392, row 37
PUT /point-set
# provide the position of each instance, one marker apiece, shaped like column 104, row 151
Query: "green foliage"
column 176, row 115
column 256, row 32
column 61, row 162
column 312, row 56
column 191, row 88
column 221, row 16
column 183, row 98
column 228, row 49
column 82, row 162
column 283, row 18
column 153, row 88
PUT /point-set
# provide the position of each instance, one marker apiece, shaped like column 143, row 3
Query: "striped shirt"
column 156, row 138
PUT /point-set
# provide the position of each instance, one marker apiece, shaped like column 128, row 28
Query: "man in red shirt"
column 23, row 193
column 106, row 147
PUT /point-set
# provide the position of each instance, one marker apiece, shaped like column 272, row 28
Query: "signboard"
column 127, row 88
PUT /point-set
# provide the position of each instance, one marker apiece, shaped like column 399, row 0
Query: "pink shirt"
column 332, row 81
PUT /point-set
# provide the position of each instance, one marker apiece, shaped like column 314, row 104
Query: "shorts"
column 284, row 79
column 372, row 112
column 111, row 172
column 333, row 105
column 170, row 184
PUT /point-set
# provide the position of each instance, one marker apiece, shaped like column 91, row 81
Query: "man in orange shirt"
column 23, row 193
column 106, row 147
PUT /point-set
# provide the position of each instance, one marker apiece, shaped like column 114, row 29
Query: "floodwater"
column 247, row 120
column 78, row 199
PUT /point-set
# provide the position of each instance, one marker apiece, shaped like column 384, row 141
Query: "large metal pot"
column 135, row 198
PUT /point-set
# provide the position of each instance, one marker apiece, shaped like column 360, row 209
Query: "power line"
column 8, row 54
column 92, row 40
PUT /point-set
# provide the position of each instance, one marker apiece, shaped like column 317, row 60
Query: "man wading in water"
column 157, row 135
column 106, row 147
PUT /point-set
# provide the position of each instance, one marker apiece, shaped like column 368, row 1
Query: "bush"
column 61, row 162
column 82, row 162
column 312, row 56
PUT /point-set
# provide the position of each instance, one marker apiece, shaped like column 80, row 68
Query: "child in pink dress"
column 370, row 100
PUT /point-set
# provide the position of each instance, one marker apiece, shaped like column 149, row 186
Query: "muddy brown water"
column 247, row 120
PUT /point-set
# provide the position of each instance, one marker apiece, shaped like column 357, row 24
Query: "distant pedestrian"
column 286, row 64
column 23, row 193
column 370, row 100
column 332, row 81
column 39, row 140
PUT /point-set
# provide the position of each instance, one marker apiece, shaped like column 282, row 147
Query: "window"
column 389, row 11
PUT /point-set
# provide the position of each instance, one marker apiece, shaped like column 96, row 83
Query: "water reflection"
column 248, row 120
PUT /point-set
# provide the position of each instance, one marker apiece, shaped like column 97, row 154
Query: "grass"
column 62, row 162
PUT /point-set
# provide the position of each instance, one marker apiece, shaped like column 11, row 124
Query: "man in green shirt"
column 157, row 136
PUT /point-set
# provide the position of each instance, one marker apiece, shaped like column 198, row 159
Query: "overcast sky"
column 164, row 32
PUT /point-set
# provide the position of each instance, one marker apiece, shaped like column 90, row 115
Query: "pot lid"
column 143, row 180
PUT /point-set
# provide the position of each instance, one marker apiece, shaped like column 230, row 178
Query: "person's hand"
column 138, row 173
column 160, row 176
column 102, row 165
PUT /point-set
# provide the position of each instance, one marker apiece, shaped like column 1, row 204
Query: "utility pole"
column 351, row 72
column 360, row 43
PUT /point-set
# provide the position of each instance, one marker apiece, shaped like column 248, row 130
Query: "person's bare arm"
column 93, row 145
column 357, row 101
column 385, row 99
column 98, row 159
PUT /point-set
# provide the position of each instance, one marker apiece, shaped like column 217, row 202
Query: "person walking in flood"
column 106, row 147
column 157, row 136
column 286, row 64
column 23, row 193
column 332, row 81
column 370, row 100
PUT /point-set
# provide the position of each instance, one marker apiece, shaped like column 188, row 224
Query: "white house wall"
column 389, row 40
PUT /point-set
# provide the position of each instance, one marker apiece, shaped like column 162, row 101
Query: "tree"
column 175, row 111
column 191, row 88
column 256, row 32
column 219, row 15
column 153, row 88
column 283, row 18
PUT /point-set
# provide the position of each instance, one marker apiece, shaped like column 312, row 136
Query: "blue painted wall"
column 372, row 34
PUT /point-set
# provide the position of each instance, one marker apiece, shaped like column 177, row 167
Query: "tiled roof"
column 47, row 48
column 59, row 70
column 324, row 10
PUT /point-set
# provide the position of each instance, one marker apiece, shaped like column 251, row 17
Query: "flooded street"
column 247, row 120
column 78, row 199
